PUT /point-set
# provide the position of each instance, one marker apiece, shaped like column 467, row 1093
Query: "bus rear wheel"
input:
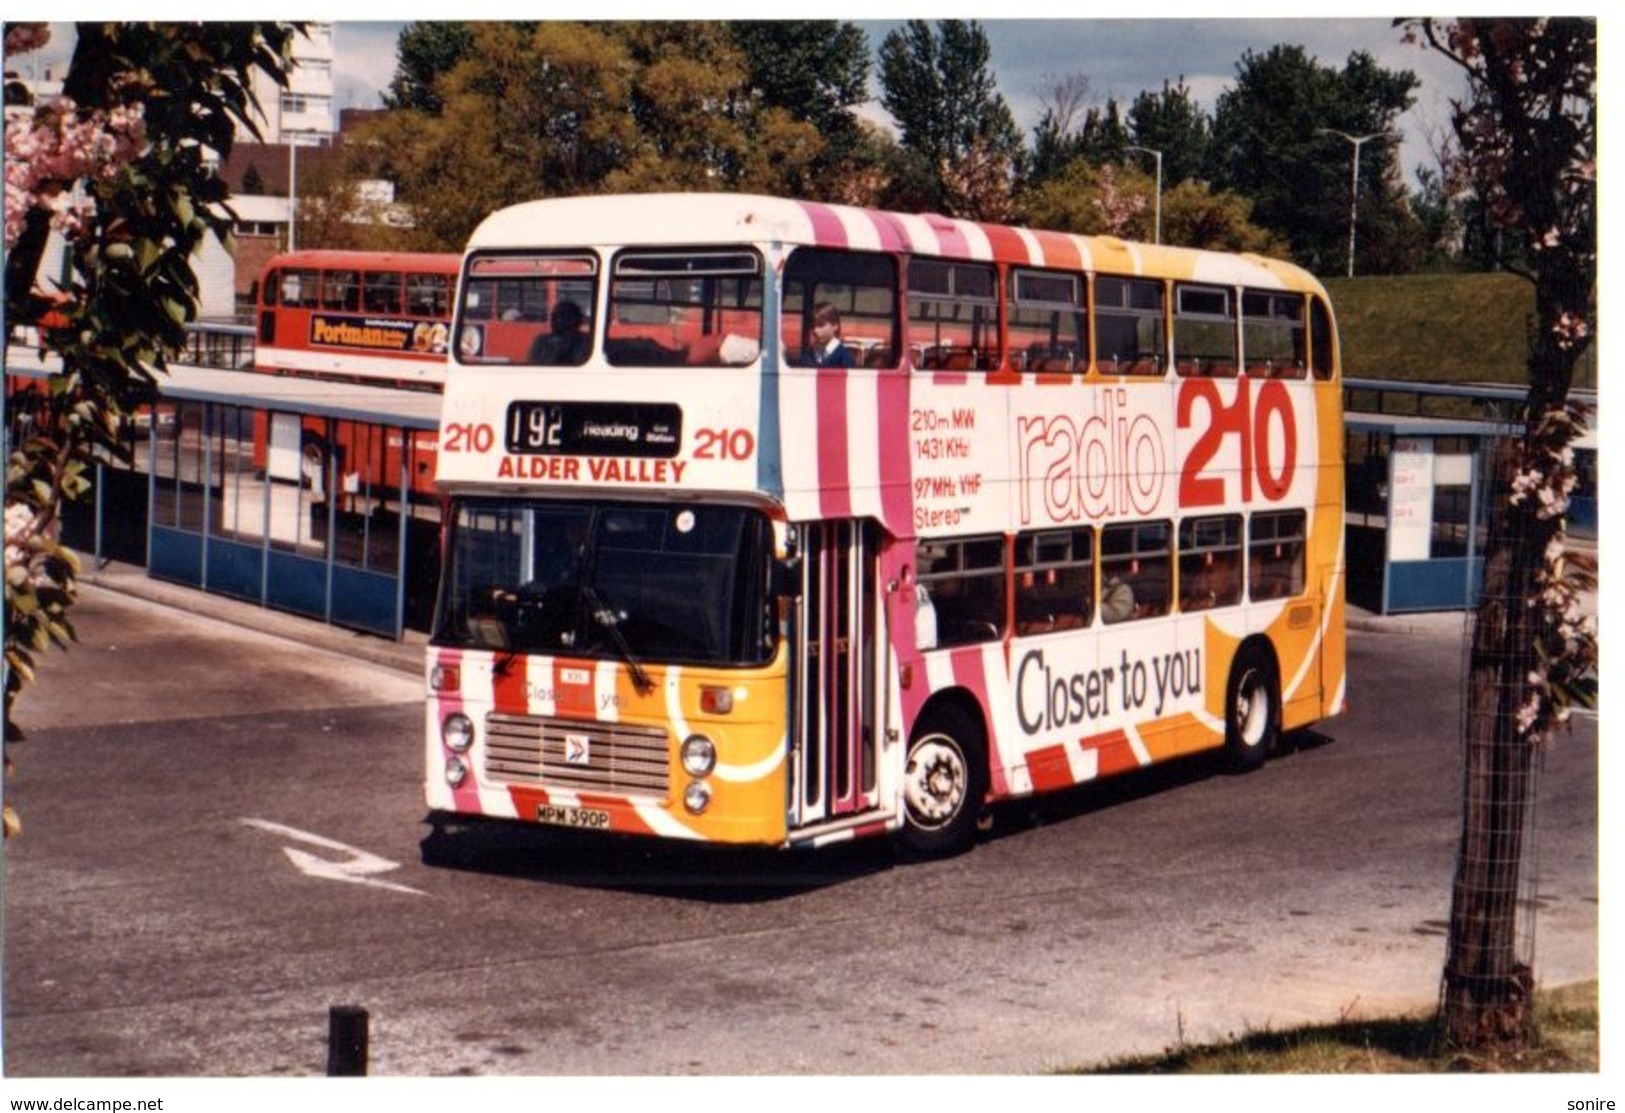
column 944, row 785
column 1252, row 709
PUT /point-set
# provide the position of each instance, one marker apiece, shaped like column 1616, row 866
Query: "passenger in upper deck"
column 566, row 345
column 827, row 349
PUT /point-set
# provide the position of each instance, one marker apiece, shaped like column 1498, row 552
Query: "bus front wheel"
column 1252, row 709
column 944, row 785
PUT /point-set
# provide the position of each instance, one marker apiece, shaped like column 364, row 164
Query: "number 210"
column 724, row 444
column 1252, row 424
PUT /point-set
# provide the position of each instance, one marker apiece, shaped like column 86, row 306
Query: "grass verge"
column 1565, row 1042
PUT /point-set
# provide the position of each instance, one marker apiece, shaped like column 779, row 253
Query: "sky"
column 1120, row 58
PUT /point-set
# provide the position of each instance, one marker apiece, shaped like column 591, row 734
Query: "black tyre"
column 944, row 785
column 1252, row 709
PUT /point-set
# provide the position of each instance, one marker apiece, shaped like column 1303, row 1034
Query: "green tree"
column 1092, row 200
column 1271, row 143
column 816, row 71
column 152, row 116
column 531, row 111
column 1104, row 136
column 689, row 98
column 1117, row 200
column 1194, row 215
column 554, row 108
column 1440, row 215
column 424, row 53
column 1528, row 145
column 1172, row 122
column 938, row 87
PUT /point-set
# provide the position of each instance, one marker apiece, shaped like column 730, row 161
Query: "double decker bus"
column 359, row 316
column 1064, row 507
column 377, row 317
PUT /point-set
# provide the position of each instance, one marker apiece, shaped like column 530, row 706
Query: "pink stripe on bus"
column 827, row 226
column 951, row 240
column 466, row 796
column 896, row 463
column 834, row 461
column 971, row 674
column 892, row 235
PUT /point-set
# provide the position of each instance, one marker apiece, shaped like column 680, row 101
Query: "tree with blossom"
column 124, row 167
column 1527, row 136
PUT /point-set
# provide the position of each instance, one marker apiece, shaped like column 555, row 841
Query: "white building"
column 303, row 112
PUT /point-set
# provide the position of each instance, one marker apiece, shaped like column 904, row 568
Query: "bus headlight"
column 456, row 771
column 699, row 755
column 457, row 732
column 697, row 797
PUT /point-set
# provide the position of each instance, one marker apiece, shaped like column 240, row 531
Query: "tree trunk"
column 1488, row 985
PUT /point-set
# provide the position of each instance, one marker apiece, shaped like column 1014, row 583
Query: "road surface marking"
column 358, row 868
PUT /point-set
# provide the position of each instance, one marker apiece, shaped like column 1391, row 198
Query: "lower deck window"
column 1136, row 566
column 961, row 591
column 1275, row 555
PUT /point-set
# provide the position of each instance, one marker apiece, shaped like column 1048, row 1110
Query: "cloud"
column 363, row 62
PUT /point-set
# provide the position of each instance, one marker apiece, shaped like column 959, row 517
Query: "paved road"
column 222, row 840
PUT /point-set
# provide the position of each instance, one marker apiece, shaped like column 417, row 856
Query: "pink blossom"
column 1570, row 330
column 49, row 157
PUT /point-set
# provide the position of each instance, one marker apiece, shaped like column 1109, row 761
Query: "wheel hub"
column 934, row 787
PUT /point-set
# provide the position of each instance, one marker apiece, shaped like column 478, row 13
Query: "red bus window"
column 341, row 290
column 428, row 295
column 299, row 288
column 381, row 292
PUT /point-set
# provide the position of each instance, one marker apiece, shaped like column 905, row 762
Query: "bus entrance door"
column 838, row 637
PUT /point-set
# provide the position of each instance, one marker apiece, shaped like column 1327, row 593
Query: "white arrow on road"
column 359, row 868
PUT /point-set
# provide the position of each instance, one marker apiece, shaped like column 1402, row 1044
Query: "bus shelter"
column 306, row 496
column 1416, row 516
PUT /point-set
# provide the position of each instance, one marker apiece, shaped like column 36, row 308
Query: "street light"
column 292, row 138
column 1158, row 209
column 1354, row 176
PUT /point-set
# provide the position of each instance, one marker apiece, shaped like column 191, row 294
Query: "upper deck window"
column 860, row 287
column 696, row 308
column 953, row 315
column 1048, row 323
column 1272, row 338
column 1321, row 339
column 1129, row 332
column 1205, row 330
column 528, row 309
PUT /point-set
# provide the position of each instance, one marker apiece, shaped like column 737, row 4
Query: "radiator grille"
column 563, row 753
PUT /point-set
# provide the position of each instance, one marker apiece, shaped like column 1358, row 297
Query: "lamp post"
column 292, row 138
column 1158, row 205
column 1355, row 141
column 293, row 188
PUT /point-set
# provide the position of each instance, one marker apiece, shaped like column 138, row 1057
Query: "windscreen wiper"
column 610, row 620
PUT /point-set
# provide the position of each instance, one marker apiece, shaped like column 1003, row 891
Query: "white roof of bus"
column 678, row 219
